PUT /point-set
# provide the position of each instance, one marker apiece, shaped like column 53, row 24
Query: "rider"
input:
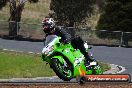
column 50, row 28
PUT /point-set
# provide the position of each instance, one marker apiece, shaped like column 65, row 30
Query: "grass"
column 18, row 65
column 32, row 13
column 104, row 66
column 23, row 65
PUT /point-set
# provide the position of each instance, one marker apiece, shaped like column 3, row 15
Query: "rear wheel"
column 96, row 69
column 63, row 71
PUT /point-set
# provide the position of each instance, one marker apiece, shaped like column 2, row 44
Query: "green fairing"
column 60, row 58
column 65, row 52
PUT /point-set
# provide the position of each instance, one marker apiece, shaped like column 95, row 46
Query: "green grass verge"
column 18, row 65
column 104, row 66
column 22, row 65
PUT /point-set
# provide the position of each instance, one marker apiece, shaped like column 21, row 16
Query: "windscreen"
column 49, row 39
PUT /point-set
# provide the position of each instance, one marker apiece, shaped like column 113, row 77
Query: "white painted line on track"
column 4, row 49
column 20, row 51
column 12, row 50
column 31, row 52
column 122, row 69
column 115, row 69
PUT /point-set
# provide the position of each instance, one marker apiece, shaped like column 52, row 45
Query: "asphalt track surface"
column 113, row 55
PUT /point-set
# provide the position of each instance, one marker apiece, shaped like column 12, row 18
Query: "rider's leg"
column 79, row 43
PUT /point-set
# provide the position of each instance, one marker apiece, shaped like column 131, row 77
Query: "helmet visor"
column 46, row 25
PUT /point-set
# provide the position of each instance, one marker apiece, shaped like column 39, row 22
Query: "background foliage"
column 116, row 15
column 70, row 11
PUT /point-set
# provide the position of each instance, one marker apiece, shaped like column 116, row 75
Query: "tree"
column 2, row 3
column 15, row 16
column 16, row 8
column 116, row 15
column 67, row 12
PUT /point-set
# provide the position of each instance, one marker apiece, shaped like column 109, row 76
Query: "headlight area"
column 49, row 50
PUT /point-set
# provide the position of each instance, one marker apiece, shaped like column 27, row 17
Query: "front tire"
column 61, row 71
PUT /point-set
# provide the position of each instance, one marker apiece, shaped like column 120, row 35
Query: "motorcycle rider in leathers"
column 50, row 28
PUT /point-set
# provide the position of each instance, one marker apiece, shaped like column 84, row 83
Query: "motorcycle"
column 66, row 61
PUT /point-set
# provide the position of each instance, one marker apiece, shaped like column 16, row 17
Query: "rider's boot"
column 90, row 62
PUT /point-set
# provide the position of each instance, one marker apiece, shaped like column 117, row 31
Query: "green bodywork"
column 66, row 51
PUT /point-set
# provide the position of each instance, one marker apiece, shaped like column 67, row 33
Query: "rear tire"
column 60, row 71
column 97, row 70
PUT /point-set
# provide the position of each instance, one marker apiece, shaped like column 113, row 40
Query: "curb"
column 36, row 79
column 20, row 51
column 115, row 69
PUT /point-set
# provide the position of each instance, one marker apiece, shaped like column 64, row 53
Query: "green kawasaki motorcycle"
column 66, row 61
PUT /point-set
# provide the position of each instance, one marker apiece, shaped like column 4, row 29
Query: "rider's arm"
column 66, row 37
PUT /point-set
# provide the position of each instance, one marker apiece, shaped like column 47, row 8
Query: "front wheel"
column 63, row 71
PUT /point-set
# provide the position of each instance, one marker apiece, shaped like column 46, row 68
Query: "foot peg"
column 92, row 64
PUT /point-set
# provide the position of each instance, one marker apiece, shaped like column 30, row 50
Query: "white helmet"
column 48, row 22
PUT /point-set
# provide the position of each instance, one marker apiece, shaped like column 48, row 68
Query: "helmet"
column 48, row 24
